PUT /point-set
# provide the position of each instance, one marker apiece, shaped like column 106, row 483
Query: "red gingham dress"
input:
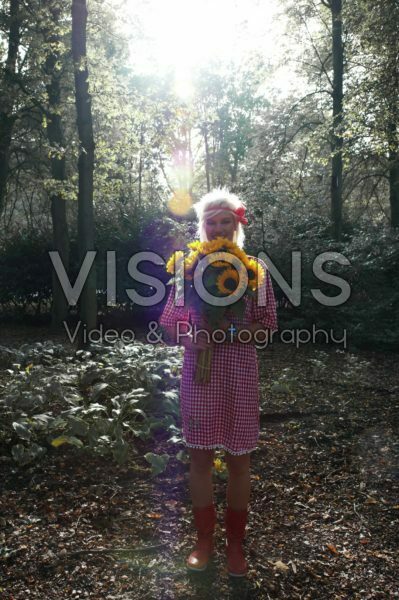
column 223, row 413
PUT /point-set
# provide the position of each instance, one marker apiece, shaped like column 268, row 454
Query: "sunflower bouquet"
column 226, row 272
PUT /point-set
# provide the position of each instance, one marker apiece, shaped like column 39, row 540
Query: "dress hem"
column 221, row 447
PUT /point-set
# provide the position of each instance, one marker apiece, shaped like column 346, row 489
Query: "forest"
column 116, row 117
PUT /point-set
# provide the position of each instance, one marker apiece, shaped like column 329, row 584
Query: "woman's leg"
column 201, row 476
column 204, row 510
column 239, row 483
column 236, row 515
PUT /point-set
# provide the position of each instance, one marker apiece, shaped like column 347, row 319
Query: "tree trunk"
column 337, row 141
column 55, row 136
column 88, row 299
column 234, row 169
column 392, row 67
column 393, row 173
column 7, row 99
column 207, row 161
column 141, row 168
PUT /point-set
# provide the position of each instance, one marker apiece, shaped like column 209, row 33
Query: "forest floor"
column 324, row 500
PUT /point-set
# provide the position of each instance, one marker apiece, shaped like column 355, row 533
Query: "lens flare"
column 180, row 203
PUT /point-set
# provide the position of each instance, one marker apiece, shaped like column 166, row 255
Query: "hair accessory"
column 238, row 212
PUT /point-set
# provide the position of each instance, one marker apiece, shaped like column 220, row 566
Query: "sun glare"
column 186, row 34
column 184, row 87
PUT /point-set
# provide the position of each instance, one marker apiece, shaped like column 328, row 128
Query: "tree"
column 88, row 299
column 375, row 46
column 8, row 114
column 55, row 134
column 324, row 72
column 337, row 118
column 227, row 105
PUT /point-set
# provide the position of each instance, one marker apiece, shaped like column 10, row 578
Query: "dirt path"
column 324, row 504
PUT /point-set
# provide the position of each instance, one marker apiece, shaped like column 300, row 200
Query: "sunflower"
column 190, row 261
column 212, row 246
column 236, row 250
column 241, row 288
column 195, row 246
column 208, row 247
column 255, row 273
column 176, row 257
column 241, row 255
column 219, row 465
column 219, row 262
column 223, row 245
column 227, row 281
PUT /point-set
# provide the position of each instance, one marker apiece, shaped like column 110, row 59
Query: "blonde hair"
column 219, row 199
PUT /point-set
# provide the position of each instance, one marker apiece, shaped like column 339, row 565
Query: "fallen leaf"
column 154, row 515
column 171, row 504
column 332, row 548
column 293, row 566
column 380, row 555
column 280, row 566
column 371, row 500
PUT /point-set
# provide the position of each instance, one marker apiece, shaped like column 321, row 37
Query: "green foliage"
column 286, row 383
column 369, row 316
column 158, row 462
column 25, row 266
column 100, row 399
column 354, row 369
column 227, row 106
column 373, row 308
column 25, row 273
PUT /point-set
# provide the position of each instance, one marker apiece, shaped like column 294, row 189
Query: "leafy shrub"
column 25, row 272
column 369, row 316
column 101, row 398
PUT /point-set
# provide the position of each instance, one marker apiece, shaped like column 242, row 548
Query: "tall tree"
column 325, row 74
column 228, row 103
column 54, row 72
column 8, row 114
column 88, row 299
column 383, row 22
column 336, row 131
column 373, row 98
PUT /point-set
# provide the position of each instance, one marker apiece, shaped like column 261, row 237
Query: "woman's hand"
column 200, row 342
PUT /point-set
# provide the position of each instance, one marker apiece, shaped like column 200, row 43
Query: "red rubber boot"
column 205, row 521
column 235, row 522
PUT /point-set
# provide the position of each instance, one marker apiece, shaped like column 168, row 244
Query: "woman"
column 224, row 412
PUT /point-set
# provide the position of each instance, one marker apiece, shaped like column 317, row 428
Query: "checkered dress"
column 223, row 413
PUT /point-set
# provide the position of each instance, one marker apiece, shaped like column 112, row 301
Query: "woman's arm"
column 186, row 338
column 253, row 328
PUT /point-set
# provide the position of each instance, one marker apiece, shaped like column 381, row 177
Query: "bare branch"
column 308, row 125
column 164, row 174
column 317, row 52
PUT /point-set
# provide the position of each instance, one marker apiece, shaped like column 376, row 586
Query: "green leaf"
column 98, row 390
column 22, row 431
column 95, row 407
column 121, row 450
column 77, row 426
column 44, row 419
column 23, row 455
column 158, row 462
column 64, row 439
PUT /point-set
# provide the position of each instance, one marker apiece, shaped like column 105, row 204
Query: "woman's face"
column 222, row 224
